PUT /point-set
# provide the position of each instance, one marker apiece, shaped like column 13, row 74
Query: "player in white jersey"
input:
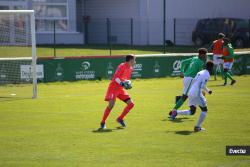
column 196, row 96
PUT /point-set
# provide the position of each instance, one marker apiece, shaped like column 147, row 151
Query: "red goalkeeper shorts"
column 114, row 92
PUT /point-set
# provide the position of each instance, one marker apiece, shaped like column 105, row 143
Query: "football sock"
column 126, row 110
column 229, row 76
column 215, row 72
column 225, row 77
column 222, row 72
column 201, row 119
column 179, row 103
column 105, row 115
column 183, row 112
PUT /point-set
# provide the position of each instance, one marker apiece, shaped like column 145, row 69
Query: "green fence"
column 147, row 66
column 91, row 68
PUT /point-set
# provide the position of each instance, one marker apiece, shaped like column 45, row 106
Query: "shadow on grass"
column 184, row 132
column 221, row 85
column 5, row 99
column 108, row 130
column 178, row 120
column 102, row 130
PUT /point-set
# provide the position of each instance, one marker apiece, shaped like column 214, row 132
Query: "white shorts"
column 217, row 61
column 187, row 83
column 197, row 100
column 228, row 65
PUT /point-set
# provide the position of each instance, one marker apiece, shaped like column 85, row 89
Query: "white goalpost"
column 18, row 51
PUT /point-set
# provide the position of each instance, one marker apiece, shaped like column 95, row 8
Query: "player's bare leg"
column 107, row 111
column 120, row 119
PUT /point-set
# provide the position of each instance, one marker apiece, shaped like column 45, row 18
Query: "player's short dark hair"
column 202, row 51
column 226, row 40
column 221, row 35
column 129, row 57
column 209, row 65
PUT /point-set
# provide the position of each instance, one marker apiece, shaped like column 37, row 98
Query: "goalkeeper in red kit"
column 119, row 82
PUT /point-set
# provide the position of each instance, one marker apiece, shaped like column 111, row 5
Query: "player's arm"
column 184, row 64
column 212, row 47
column 118, row 78
column 204, row 86
column 118, row 75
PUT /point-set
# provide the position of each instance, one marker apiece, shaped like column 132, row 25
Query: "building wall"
column 72, row 36
column 120, row 13
column 207, row 8
column 112, row 8
column 148, row 16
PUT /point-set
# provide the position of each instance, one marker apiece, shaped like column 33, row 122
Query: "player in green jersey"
column 189, row 68
column 228, row 57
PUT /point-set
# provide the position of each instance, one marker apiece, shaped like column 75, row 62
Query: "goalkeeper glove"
column 122, row 84
column 126, row 84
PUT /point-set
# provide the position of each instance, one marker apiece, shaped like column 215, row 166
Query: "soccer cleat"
column 173, row 114
column 121, row 122
column 170, row 113
column 225, row 84
column 102, row 126
column 198, row 129
column 233, row 82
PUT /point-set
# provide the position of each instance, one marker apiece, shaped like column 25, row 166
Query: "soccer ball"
column 127, row 84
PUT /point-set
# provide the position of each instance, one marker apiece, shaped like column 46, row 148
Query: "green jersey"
column 190, row 67
column 228, row 53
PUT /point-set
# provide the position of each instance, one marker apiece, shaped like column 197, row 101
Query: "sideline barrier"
column 147, row 66
column 101, row 67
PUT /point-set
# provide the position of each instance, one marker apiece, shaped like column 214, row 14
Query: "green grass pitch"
column 93, row 50
column 58, row 128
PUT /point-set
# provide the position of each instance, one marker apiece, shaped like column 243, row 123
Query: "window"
column 50, row 12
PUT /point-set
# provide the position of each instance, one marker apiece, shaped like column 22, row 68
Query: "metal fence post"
column 249, row 32
column 86, row 31
column 174, row 31
column 131, row 32
column 164, row 26
column 54, row 38
column 109, row 36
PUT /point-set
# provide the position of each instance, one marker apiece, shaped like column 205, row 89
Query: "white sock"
column 183, row 112
column 201, row 119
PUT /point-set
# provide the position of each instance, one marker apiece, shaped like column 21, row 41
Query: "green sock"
column 222, row 73
column 229, row 76
column 179, row 104
column 225, row 77
column 215, row 73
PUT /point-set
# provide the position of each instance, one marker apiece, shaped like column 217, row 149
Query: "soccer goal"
column 18, row 76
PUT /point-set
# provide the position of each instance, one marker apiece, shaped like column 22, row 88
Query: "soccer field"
column 59, row 128
column 94, row 50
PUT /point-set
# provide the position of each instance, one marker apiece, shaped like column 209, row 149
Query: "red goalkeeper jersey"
column 123, row 72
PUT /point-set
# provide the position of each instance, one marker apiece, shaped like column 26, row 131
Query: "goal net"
column 18, row 76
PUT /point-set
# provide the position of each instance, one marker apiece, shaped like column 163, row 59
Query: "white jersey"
column 199, row 83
